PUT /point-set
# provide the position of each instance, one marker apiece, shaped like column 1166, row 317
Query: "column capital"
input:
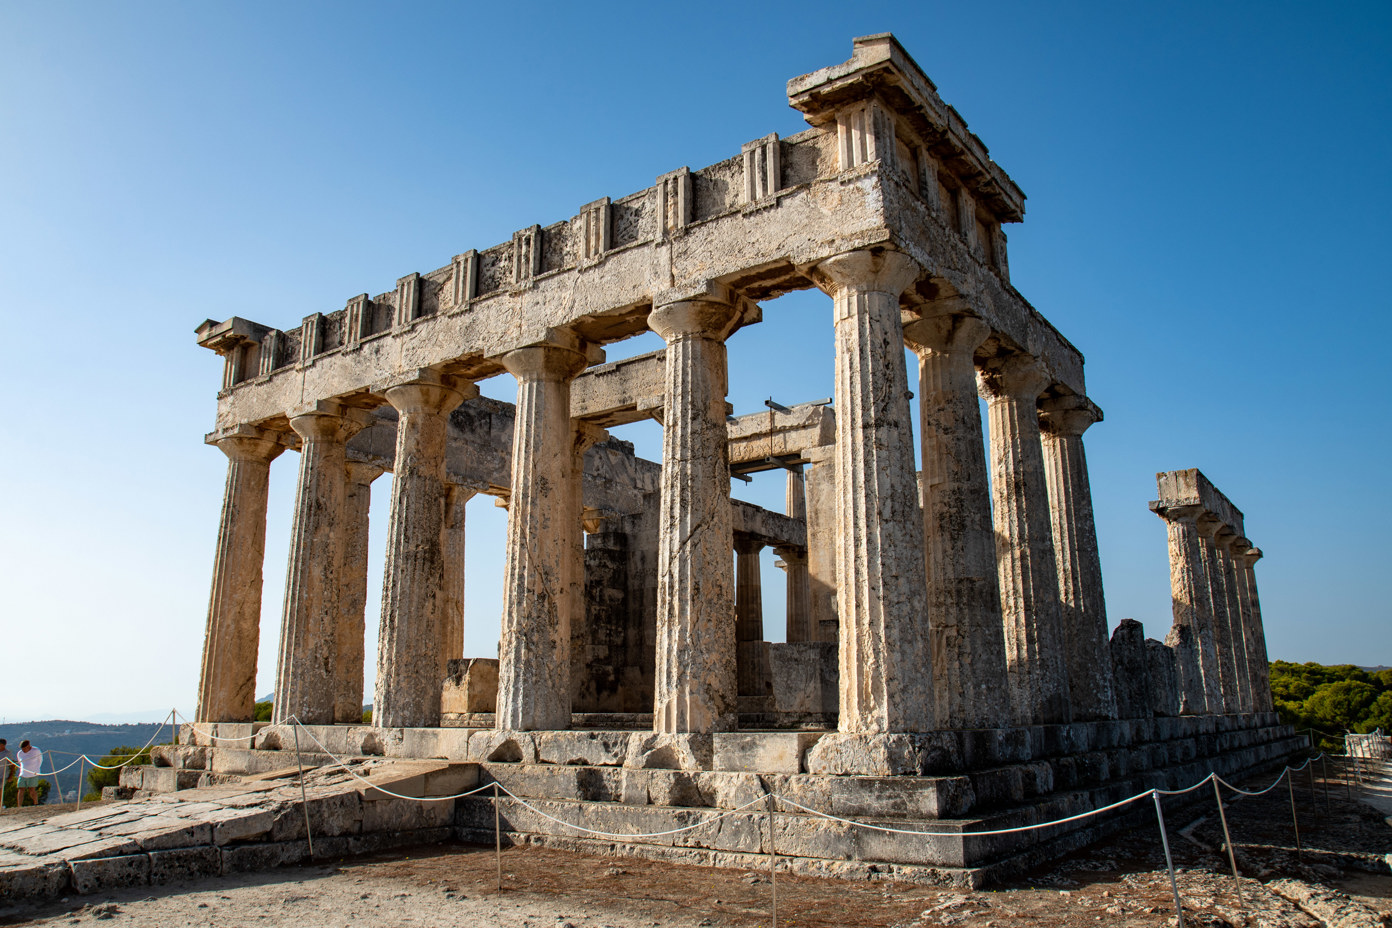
column 426, row 391
column 1068, row 416
column 1238, row 546
column 1209, row 527
column 872, row 270
column 326, row 420
column 1190, row 514
column 248, row 443
column 545, row 362
column 1018, row 376
column 1250, row 557
column 791, row 553
column 748, row 544
column 587, row 435
column 952, row 334
column 696, row 318
column 363, row 473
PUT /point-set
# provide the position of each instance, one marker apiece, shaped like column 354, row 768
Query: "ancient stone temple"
column 948, row 663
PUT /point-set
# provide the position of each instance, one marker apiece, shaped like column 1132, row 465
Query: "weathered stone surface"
column 408, row 687
column 964, row 605
column 471, row 686
column 1192, row 605
column 1131, row 670
column 1188, row 676
column 762, row 752
column 671, row 751
column 180, row 865
column 885, row 667
column 696, row 683
column 804, row 677
column 106, row 873
column 1082, row 606
column 351, row 623
column 753, row 674
column 1025, row 561
column 226, row 690
column 884, row 755
column 1162, row 664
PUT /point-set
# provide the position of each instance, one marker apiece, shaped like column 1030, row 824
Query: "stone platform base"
column 638, row 785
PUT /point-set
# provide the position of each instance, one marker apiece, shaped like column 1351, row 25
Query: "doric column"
column 1258, row 662
column 1188, row 676
column 964, row 605
column 351, row 629
column 822, row 544
column 799, row 617
column 543, row 525
column 408, row 670
column 885, row 655
column 1193, row 609
column 695, row 688
column 227, row 685
column 306, row 684
column 752, row 668
column 1209, row 527
column 1082, row 607
column 1024, row 542
column 1226, row 542
column 457, row 498
column 582, row 678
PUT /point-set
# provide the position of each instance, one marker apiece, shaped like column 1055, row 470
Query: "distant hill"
column 62, row 740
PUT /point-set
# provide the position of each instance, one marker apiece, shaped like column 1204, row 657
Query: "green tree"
column 98, row 777
column 1378, row 715
column 1340, row 706
column 263, row 711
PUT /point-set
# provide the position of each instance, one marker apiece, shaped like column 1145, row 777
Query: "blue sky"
column 1208, row 194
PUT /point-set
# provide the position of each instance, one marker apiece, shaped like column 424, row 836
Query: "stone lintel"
column 1190, row 487
column 224, row 336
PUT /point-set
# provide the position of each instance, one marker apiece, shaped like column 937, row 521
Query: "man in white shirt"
column 30, row 760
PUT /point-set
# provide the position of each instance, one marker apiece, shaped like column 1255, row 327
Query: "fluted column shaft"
column 964, row 606
column 1218, row 603
column 1082, row 605
column 695, row 686
column 797, row 604
column 408, row 667
column 1024, row 543
column 1193, row 608
column 351, row 629
column 306, row 684
column 543, row 522
column 1242, row 681
column 452, row 592
column 227, row 684
column 753, row 671
column 822, row 545
column 885, row 655
column 1258, row 663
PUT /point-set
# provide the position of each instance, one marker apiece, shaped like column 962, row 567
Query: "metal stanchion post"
column 1295, row 822
column 1227, row 837
column 773, row 860
column 1324, row 778
column 1169, row 861
column 497, row 837
column 304, row 800
column 79, row 782
column 1348, row 787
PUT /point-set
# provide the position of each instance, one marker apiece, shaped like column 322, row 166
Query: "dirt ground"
column 1120, row 882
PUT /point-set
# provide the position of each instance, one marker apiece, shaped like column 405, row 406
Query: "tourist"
column 7, row 769
column 30, row 759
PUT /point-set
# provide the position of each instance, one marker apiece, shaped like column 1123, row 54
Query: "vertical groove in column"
column 1242, row 684
column 885, row 655
column 822, row 546
column 1198, row 667
column 1082, row 604
column 1258, row 660
column 752, row 669
column 452, row 589
column 352, row 619
column 798, row 604
column 408, row 679
column 1218, row 604
column 534, row 651
column 306, row 684
column 964, row 606
column 1024, row 545
column 226, row 690
column 695, row 687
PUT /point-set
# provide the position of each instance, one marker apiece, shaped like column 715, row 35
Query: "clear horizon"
column 168, row 163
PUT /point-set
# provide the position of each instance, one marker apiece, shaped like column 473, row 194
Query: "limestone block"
column 180, row 865
column 887, row 754
column 42, row 879
column 244, row 858
column 107, row 873
column 804, row 676
column 442, row 743
column 1130, row 670
column 403, row 814
column 1164, row 678
column 502, row 746
column 593, row 748
column 680, row 751
column 160, row 833
column 762, row 752
column 240, row 825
